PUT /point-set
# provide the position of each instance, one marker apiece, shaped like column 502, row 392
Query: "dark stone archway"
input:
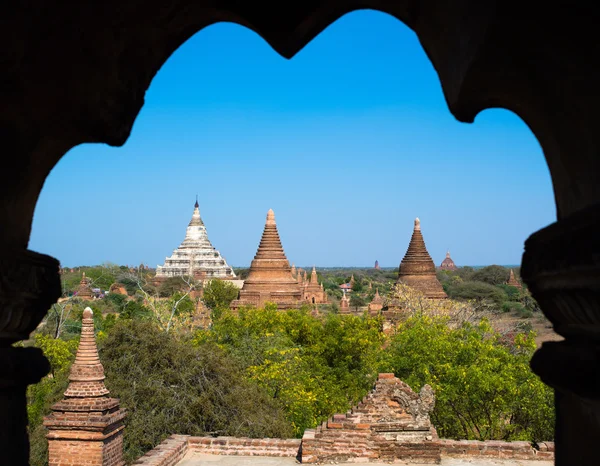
column 77, row 72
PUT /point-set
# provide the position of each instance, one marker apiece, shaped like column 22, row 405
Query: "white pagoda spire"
column 195, row 254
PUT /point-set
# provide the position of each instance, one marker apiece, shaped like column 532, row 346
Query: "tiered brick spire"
column 417, row 269
column 270, row 277
column 345, row 305
column 85, row 291
column 512, row 281
column 312, row 291
column 376, row 304
column 87, row 426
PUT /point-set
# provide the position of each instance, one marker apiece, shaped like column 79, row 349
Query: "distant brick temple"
column 312, row 292
column 376, row 304
column 377, row 265
column 196, row 256
column 417, row 269
column 512, row 281
column 86, row 427
column 270, row 277
column 448, row 263
column 85, row 290
column 345, row 304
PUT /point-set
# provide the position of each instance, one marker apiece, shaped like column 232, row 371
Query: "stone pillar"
column 561, row 266
column 29, row 285
column 87, row 426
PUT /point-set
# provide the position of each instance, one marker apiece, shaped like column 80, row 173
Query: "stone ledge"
column 168, row 453
column 496, row 449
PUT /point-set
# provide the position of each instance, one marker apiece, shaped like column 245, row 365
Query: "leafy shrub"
column 511, row 306
column 171, row 386
column 484, row 388
column 314, row 367
column 477, row 290
column 218, row 294
column 492, row 274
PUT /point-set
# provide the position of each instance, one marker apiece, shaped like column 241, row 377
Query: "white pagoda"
column 196, row 255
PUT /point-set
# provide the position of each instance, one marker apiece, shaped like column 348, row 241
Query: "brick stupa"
column 86, row 427
column 376, row 304
column 417, row 269
column 270, row 277
column 512, row 281
column 345, row 305
column 85, row 291
column 312, row 291
column 448, row 263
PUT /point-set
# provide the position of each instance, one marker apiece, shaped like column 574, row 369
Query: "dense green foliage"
column 483, row 384
column 218, row 294
column 313, row 367
column 169, row 385
column 41, row 396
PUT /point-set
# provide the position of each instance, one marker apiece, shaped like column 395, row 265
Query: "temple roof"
column 416, row 256
column 448, row 263
column 512, row 280
column 417, row 269
column 195, row 254
column 377, row 299
column 270, row 244
column 270, row 276
column 196, row 219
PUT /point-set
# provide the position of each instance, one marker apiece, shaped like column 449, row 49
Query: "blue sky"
column 348, row 142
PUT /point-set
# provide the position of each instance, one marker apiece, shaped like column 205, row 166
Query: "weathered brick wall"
column 168, row 453
column 74, row 453
column 113, row 450
column 496, row 449
column 391, row 422
column 173, row 449
column 357, row 445
column 245, row 446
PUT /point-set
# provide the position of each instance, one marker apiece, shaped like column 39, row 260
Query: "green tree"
column 173, row 285
column 314, row 367
column 477, row 291
column 169, row 385
column 483, row 384
column 356, row 301
column 42, row 395
column 492, row 274
column 218, row 294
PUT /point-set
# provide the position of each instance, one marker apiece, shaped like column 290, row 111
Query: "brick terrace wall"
column 168, row 453
column 382, row 427
column 245, row 446
column 350, row 448
column 172, row 450
column 496, row 449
